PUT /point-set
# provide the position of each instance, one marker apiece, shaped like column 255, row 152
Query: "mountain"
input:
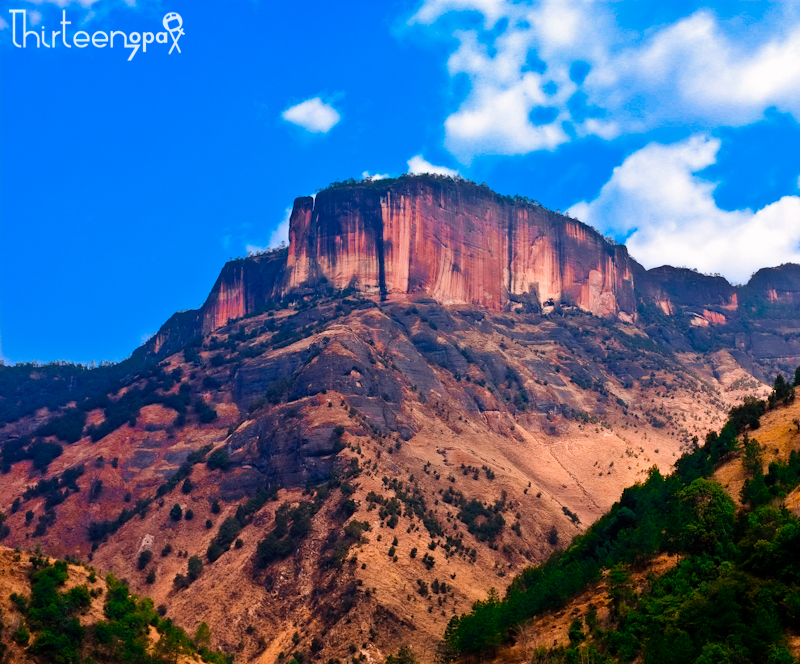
column 433, row 387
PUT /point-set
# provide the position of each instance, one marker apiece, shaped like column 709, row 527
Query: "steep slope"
column 681, row 569
column 481, row 440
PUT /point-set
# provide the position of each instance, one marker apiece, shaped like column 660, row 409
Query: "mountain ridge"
column 359, row 235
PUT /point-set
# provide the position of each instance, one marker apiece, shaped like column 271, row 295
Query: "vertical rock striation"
column 456, row 243
column 462, row 244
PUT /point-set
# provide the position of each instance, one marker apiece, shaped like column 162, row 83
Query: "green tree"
column 707, row 516
column 202, row 637
column 176, row 513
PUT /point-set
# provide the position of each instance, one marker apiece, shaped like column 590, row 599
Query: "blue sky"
column 125, row 185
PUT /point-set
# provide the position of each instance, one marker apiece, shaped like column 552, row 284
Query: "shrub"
column 218, row 460
column 176, row 513
column 195, row 567
column 21, row 636
column 68, row 427
column 144, row 559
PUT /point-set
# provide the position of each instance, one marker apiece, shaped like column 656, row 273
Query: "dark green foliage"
column 21, row 636
column 280, row 388
column 67, row 427
column 123, row 635
column 57, row 489
column 404, row 656
column 25, row 388
column 782, row 392
column 176, row 513
column 218, row 459
column 43, row 452
column 292, row 524
column 51, row 614
column 490, row 524
column 748, row 414
column 187, row 486
column 205, row 413
column 232, row 526
column 195, row 567
column 144, row 559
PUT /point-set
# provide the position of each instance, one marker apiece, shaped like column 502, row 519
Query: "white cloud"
column 313, row 115
column 377, row 176
column 3, row 23
column 690, row 72
column 280, row 234
column 35, row 17
column 417, row 165
column 431, row 10
column 675, row 220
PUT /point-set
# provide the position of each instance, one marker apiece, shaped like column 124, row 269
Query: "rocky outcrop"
column 775, row 285
column 244, row 286
column 458, row 243
column 455, row 242
column 670, row 288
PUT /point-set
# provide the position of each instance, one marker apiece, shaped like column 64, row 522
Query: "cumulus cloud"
column 672, row 217
column 558, row 69
column 35, row 17
column 313, row 115
column 417, row 165
column 377, row 176
column 279, row 235
column 3, row 23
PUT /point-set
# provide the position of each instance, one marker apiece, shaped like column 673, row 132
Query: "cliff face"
column 776, row 285
column 455, row 243
column 670, row 288
column 242, row 287
column 461, row 244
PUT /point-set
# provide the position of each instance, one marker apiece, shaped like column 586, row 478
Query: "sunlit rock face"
column 456, row 243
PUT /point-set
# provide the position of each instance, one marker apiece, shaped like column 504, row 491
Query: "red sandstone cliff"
column 456, row 243
column 462, row 244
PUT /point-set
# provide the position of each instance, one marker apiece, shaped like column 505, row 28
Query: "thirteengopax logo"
column 173, row 24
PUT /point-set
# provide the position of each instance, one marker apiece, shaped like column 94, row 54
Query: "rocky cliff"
column 460, row 244
column 456, row 243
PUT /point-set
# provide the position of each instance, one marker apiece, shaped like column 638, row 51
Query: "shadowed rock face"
column 455, row 243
